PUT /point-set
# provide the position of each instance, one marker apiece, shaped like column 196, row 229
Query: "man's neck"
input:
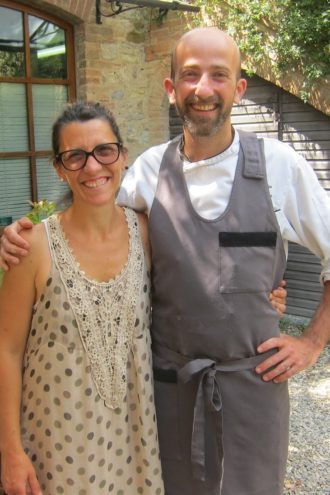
column 196, row 148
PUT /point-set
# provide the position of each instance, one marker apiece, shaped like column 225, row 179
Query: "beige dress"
column 88, row 417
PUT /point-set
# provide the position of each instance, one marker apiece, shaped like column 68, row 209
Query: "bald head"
column 205, row 82
column 209, row 38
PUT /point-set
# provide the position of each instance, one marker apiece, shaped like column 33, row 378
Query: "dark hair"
column 82, row 112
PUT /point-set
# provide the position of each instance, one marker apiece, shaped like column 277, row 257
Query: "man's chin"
column 202, row 129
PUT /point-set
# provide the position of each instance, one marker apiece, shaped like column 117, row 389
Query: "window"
column 36, row 80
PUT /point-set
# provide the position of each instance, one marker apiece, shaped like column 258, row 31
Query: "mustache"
column 212, row 100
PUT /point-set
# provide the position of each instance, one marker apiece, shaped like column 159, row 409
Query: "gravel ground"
column 308, row 470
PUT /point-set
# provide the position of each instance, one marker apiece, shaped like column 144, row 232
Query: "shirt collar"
column 231, row 150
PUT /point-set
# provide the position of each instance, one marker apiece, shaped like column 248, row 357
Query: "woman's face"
column 94, row 184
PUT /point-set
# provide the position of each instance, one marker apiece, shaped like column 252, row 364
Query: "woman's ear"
column 59, row 171
column 124, row 162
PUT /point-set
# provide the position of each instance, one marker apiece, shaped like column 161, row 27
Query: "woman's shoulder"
column 38, row 251
column 143, row 227
column 36, row 257
column 143, row 219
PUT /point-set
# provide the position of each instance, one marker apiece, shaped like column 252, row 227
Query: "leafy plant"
column 40, row 210
column 289, row 34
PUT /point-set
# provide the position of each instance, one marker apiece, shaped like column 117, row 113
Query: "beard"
column 197, row 125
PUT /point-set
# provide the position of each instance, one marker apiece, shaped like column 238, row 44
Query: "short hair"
column 82, row 112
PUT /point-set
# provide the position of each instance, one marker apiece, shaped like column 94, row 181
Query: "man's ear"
column 169, row 88
column 240, row 90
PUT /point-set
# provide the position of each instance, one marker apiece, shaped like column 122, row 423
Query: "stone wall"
column 127, row 58
column 158, row 47
column 110, row 69
column 122, row 62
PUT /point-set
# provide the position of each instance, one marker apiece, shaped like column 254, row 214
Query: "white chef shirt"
column 301, row 205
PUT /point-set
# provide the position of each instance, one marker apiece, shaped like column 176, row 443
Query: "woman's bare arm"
column 17, row 296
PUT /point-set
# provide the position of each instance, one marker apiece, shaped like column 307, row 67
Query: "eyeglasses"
column 105, row 154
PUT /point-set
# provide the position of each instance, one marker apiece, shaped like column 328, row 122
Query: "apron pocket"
column 246, row 261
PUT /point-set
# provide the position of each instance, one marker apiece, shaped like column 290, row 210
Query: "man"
column 221, row 366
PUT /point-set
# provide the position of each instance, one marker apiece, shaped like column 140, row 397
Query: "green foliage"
column 293, row 34
column 11, row 64
column 41, row 210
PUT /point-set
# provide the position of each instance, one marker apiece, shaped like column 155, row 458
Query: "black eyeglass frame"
column 59, row 156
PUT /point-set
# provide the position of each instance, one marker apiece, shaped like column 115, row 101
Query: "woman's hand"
column 18, row 476
column 12, row 245
column 278, row 298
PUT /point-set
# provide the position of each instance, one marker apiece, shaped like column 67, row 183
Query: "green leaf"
column 41, row 210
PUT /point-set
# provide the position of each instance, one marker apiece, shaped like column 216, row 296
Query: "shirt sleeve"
column 302, row 203
column 139, row 186
column 127, row 195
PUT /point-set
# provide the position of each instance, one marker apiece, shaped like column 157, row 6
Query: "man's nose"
column 204, row 86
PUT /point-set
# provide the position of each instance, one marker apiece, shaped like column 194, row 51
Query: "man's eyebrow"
column 224, row 68
column 196, row 66
column 189, row 66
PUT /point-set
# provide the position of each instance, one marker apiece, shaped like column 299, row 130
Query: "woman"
column 80, row 418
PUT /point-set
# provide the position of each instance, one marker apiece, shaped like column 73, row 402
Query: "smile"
column 93, row 184
column 204, row 108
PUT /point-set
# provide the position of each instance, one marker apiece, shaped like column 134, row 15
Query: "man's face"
column 205, row 85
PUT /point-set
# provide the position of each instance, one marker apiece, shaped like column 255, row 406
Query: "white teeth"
column 204, row 108
column 96, row 183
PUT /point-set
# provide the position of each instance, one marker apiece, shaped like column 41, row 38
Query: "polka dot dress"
column 77, row 444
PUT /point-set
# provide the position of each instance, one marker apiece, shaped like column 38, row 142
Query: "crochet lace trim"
column 105, row 311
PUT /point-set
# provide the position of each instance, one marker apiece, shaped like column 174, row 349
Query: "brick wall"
column 65, row 9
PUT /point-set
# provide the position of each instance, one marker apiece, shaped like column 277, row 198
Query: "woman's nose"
column 92, row 164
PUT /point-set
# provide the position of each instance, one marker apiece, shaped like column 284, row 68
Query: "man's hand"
column 13, row 246
column 293, row 354
column 278, row 298
column 297, row 353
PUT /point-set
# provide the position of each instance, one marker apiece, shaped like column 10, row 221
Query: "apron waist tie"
column 208, row 396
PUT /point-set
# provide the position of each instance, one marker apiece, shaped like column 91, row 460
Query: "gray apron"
column 222, row 429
